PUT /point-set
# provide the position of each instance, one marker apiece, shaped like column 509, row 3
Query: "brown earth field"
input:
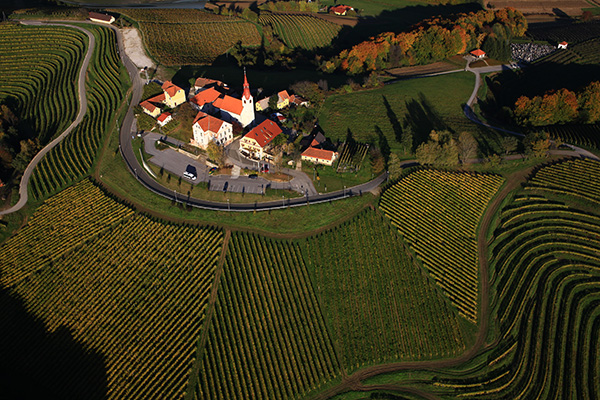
column 569, row 7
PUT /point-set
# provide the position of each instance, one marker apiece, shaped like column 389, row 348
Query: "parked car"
column 252, row 176
column 190, row 172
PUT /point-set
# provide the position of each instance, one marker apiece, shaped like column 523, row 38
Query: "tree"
column 216, row 153
column 467, row 147
column 509, row 144
column 273, row 102
column 441, row 150
column 537, row 144
column 407, row 140
column 395, row 167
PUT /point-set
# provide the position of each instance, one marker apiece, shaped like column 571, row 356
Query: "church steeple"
column 246, row 95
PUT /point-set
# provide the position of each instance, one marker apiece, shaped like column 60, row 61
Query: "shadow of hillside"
column 422, row 118
column 37, row 364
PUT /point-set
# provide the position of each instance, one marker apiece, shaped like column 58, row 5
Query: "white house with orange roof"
column 319, row 156
column 207, row 128
column 174, row 95
column 255, row 141
column 478, row 54
column 150, row 108
column 164, row 118
column 563, row 45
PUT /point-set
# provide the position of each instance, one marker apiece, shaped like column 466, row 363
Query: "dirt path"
column 354, row 381
column 189, row 393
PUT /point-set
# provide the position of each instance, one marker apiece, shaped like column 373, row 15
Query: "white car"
column 190, row 172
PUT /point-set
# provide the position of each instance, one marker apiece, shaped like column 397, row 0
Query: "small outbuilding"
column 563, row 45
column 341, row 9
column 164, row 118
column 478, row 54
column 102, row 18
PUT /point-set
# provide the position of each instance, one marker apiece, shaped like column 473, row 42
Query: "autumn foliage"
column 560, row 107
column 431, row 40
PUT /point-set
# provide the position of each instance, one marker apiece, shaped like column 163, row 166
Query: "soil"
column 134, row 47
column 433, row 68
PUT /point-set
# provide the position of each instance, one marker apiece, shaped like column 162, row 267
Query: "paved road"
column 23, row 187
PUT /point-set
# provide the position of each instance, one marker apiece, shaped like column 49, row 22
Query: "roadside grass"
column 419, row 105
column 326, row 179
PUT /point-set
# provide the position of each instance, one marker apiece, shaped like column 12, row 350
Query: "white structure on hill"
column 207, row 128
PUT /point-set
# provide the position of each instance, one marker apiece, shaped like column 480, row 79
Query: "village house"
column 230, row 109
column 341, row 9
column 478, row 54
column 164, row 118
column 563, row 45
column 255, row 141
column 319, row 156
column 150, row 108
column 298, row 101
column 283, row 100
column 174, row 95
column 102, row 18
column 206, row 83
column 207, row 128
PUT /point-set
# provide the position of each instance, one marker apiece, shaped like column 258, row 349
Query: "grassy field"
column 414, row 105
column 395, row 311
column 374, row 7
column 179, row 36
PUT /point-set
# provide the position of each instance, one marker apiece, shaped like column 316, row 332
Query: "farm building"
column 563, row 45
column 478, row 54
column 207, row 128
column 174, row 95
column 102, row 18
column 341, row 9
column 259, row 137
column 319, row 156
column 164, row 118
column 229, row 108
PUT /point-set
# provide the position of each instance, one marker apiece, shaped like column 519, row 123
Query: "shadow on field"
column 422, row 118
column 37, row 364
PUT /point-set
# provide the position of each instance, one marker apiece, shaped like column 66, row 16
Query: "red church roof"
column 319, row 153
column 205, row 96
column 246, row 94
column 264, row 133
column 170, row 88
column 230, row 104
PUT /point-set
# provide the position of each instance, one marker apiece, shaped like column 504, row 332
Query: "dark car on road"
column 190, row 172
column 252, row 176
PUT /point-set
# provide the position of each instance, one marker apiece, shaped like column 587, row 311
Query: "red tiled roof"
column 478, row 53
column 101, row 17
column 230, row 104
column 205, row 96
column 341, row 9
column 199, row 116
column 264, row 133
column 163, row 116
column 314, row 143
column 202, row 82
column 564, row 43
column 210, row 123
column 319, row 153
column 157, row 99
column 170, row 88
column 283, row 95
column 148, row 106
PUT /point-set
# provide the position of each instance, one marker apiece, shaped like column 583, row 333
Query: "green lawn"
column 419, row 105
column 373, row 7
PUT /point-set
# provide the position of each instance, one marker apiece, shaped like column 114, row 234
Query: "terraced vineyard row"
column 580, row 135
column 577, row 32
column 572, row 178
column 135, row 293
column 437, row 213
column 352, row 156
column 267, row 339
column 39, row 68
column 184, row 37
column 546, row 262
column 380, row 305
column 300, row 30
column 74, row 156
column 62, row 223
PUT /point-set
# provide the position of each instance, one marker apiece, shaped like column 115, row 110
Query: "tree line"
column 432, row 40
column 561, row 106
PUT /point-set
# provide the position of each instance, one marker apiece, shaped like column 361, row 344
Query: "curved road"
column 23, row 187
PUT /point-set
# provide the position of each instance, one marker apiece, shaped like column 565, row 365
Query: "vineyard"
column 39, row 68
column 587, row 52
column 267, row 339
column 577, row 32
column 74, row 156
column 438, row 213
column 395, row 311
column 104, row 274
column 352, row 156
column 579, row 135
column 301, row 30
column 545, row 259
column 184, row 37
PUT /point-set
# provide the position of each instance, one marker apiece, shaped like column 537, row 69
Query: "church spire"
column 246, row 94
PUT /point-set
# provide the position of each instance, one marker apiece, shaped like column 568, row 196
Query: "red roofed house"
column 478, row 53
column 283, row 100
column 102, row 18
column 298, row 101
column 150, row 108
column 204, row 97
column 164, row 118
column 340, row 9
column 563, row 45
column 174, row 95
column 319, row 156
column 259, row 137
column 207, row 128
column 205, row 83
